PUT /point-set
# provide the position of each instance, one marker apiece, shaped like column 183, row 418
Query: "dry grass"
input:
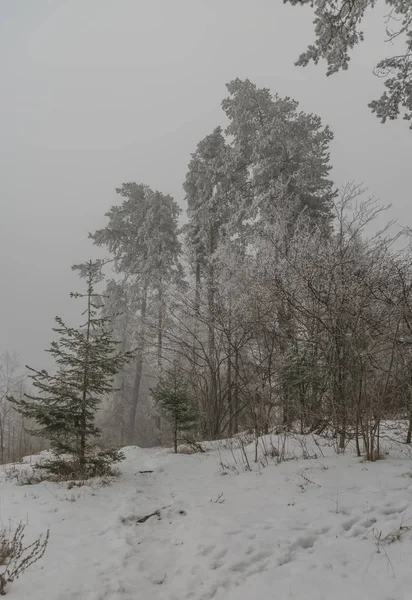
column 15, row 557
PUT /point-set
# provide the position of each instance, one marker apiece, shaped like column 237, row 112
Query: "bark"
column 160, row 327
column 175, row 436
column 229, row 397
column 138, row 376
column 198, row 288
column 409, row 434
column 83, row 423
column 214, row 408
column 236, row 394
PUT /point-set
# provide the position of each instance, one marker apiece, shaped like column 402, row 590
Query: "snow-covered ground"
column 307, row 529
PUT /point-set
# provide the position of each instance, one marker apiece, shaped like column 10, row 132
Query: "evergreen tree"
column 285, row 153
column 338, row 31
column 142, row 236
column 261, row 177
column 211, row 185
column 173, row 397
column 87, row 360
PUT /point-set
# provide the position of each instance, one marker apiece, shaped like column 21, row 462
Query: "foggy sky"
column 97, row 92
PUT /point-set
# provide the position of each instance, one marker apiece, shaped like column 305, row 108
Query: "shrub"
column 15, row 557
column 99, row 464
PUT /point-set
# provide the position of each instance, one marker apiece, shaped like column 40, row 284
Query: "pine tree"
column 173, row 397
column 142, row 236
column 338, row 31
column 209, row 186
column 86, row 360
column 285, row 153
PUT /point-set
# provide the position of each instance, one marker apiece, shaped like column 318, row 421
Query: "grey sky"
column 97, row 92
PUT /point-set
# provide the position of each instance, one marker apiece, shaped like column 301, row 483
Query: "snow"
column 312, row 529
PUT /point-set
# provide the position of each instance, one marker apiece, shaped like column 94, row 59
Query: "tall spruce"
column 87, row 359
column 209, row 185
column 268, row 171
column 285, row 155
column 142, row 236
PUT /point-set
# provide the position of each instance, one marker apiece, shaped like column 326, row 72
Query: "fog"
column 97, row 92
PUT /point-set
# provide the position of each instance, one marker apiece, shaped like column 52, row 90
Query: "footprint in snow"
column 304, row 542
column 205, row 550
column 349, row 523
column 323, row 530
column 285, row 559
column 218, row 561
column 393, row 509
column 368, row 522
column 252, row 564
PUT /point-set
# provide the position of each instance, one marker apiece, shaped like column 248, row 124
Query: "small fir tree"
column 173, row 397
column 87, row 359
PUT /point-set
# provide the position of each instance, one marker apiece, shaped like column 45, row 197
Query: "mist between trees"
column 272, row 307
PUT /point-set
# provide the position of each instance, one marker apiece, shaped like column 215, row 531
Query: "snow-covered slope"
column 309, row 529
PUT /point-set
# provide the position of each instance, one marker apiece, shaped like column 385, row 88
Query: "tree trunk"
column 83, row 416
column 358, row 450
column 229, row 377
column 198, row 287
column 214, row 408
column 409, row 434
column 229, row 397
column 236, row 394
column 160, row 327
column 175, row 433
column 138, row 375
column 1, row 443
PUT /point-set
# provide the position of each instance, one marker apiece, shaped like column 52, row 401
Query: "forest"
column 278, row 303
column 229, row 414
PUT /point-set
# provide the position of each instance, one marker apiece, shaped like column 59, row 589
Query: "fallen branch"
column 219, row 500
column 156, row 513
column 144, row 518
column 309, row 480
